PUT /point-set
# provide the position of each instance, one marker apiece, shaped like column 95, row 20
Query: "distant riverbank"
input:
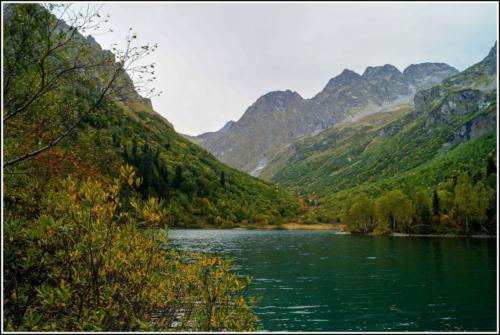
column 339, row 228
column 298, row 226
column 439, row 235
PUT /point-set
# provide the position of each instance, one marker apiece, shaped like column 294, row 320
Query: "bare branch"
column 50, row 85
column 54, row 142
column 52, row 69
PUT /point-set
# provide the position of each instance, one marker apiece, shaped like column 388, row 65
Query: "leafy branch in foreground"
column 85, row 265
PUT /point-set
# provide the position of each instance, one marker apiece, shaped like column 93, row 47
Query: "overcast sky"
column 214, row 60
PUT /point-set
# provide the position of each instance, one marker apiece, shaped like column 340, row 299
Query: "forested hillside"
column 123, row 128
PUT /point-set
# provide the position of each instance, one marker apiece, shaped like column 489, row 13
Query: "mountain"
column 425, row 75
column 279, row 118
column 194, row 185
column 239, row 144
column 450, row 128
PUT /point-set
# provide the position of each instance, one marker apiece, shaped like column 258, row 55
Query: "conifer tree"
column 436, row 206
column 177, row 177
column 222, row 179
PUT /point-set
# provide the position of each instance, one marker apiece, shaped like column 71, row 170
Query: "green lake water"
column 323, row 281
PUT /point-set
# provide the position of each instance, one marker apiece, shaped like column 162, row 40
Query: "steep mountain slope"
column 194, row 186
column 199, row 189
column 460, row 109
column 331, row 142
column 279, row 118
column 240, row 143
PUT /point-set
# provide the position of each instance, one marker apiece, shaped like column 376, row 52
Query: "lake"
column 325, row 281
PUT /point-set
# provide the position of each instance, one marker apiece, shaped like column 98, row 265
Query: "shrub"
column 84, row 265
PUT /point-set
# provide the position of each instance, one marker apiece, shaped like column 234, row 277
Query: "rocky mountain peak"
column 279, row 98
column 347, row 74
column 280, row 95
column 227, row 127
column 386, row 82
column 378, row 71
column 493, row 52
column 278, row 118
column 491, row 60
column 347, row 77
column 424, row 75
column 275, row 101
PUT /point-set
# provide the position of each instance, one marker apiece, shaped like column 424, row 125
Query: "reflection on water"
column 323, row 281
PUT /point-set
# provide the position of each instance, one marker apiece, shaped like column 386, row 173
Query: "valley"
column 334, row 212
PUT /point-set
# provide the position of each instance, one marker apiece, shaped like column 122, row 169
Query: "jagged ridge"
column 278, row 118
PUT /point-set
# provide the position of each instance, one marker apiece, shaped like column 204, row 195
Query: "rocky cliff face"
column 279, row 118
column 458, row 104
column 425, row 75
column 474, row 128
column 468, row 94
column 387, row 82
column 480, row 77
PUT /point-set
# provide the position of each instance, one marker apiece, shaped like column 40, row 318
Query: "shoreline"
column 338, row 228
column 440, row 235
column 286, row 226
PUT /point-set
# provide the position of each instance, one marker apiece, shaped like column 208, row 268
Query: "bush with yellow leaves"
column 94, row 261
